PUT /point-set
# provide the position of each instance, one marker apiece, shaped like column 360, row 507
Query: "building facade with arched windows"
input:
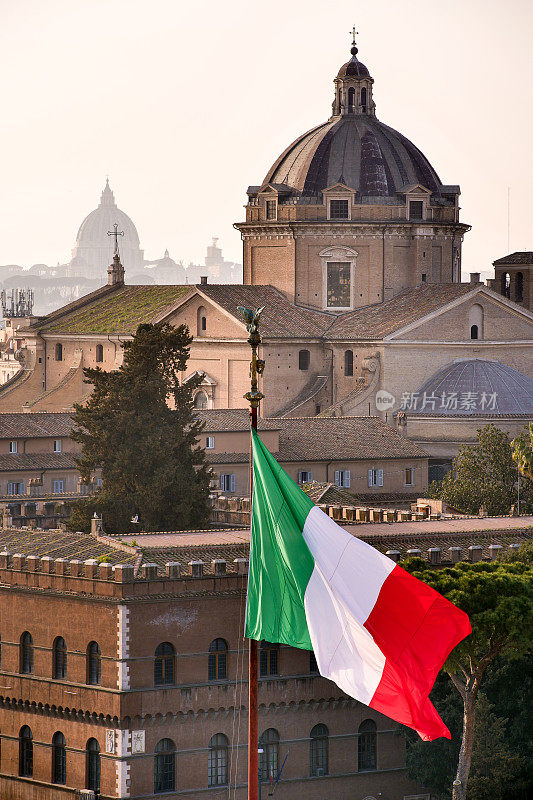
column 129, row 689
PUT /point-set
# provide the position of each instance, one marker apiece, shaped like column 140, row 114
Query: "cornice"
column 330, row 228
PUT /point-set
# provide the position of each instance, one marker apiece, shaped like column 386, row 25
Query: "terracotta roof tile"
column 23, row 461
column 377, row 321
column 35, row 425
column 121, row 311
column 61, row 544
column 521, row 257
column 280, row 319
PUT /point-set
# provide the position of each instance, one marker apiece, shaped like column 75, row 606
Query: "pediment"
column 339, row 187
column 339, row 253
column 207, row 380
column 415, row 188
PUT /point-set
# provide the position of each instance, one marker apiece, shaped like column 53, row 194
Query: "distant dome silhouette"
column 93, row 250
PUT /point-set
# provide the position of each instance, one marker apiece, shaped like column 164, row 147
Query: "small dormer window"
column 416, row 209
column 271, row 209
column 339, row 209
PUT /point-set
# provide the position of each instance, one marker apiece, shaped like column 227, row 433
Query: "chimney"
column 203, row 280
column 401, row 423
column 475, row 277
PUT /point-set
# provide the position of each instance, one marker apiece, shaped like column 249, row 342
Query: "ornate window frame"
column 338, row 253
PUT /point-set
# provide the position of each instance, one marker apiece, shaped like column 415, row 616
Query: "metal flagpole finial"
column 116, row 233
column 257, row 365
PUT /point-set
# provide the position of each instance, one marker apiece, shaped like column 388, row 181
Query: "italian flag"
column 379, row 633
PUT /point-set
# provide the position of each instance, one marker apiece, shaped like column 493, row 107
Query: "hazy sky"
column 185, row 104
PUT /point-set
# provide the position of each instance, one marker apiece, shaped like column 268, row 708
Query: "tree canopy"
column 498, row 598
column 138, row 428
column 523, row 451
column 485, row 474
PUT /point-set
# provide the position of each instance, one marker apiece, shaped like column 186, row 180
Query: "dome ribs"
column 373, row 180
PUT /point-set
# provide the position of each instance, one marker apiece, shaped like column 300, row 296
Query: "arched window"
column 59, row 758
column 475, row 320
column 217, row 668
column 200, row 400
column 94, row 665
column 59, row 658
column 218, row 760
column 351, row 99
column 340, row 100
column 268, row 659
column 26, row 653
column 92, row 765
column 269, row 758
column 304, row 357
column 164, row 664
column 363, row 99
column 348, row 363
column 165, row 766
column 201, row 321
column 59, row 352
column 519, row 287
column 25, row 752
column 506, row 285
column 367, row 745
column 318, row 751
column 99, row 353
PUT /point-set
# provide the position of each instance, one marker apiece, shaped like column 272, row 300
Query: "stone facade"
column 128, row 712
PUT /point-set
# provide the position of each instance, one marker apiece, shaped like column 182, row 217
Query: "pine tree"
column 138, row 428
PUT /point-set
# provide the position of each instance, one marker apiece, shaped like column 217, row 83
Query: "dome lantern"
column 353, row 87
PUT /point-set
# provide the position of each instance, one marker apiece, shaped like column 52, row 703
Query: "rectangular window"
column 227, row 483
column 375, row 477
column 58, row 487
column 416, row 209
column 57, row 445
column 338, row 209
column 13, row 447
column 209, row 442
column 343, row 478
column 99, row 481
column 271, row 209
column 409, row 476
column 338, row 284
column 16, row 487
column 305, row 476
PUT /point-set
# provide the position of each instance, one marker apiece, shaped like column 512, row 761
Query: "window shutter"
column 370, row 477
column 300, row 473
column 309, row 477
column 380, row 477
column 222, row 482
column 337, row 477
column 346, row 478
column 232, row 483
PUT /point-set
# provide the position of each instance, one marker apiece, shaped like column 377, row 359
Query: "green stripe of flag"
column 280, row 560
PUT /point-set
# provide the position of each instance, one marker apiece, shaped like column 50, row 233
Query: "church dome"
column 93, row 251
column 353, row 147
column 479, row 387
column 94, row 228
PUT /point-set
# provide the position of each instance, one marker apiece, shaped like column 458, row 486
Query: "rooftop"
column 118, row 311
column 18, row 462
column 35, row 425
column 377, row 321
column 62, row 544
column 520, row 257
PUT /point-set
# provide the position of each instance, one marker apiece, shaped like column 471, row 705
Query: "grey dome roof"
column 353, row 67
column 496, row 390
column 93, row 230
column 358, row 149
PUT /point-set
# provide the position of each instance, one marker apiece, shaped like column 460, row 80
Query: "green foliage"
column 502, row 758
column 485, row 474
column 498, row 598
column 139, row 429
column 523, row 451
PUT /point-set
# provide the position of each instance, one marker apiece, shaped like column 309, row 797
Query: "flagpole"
column 254, row 396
